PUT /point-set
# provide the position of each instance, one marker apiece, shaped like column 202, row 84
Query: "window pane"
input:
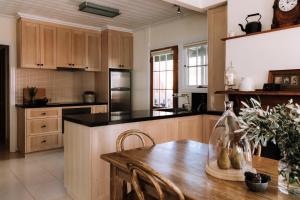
column 169, row 99
column 163, row 80
column 156, row 98
column 170, row 65
column 163, row 62
column 156, row 63
column 170, row 57
column 192, row 76
column 162, row 95
column 199, row 74
column 155, row 80
column 169, row 79
column 192, row 52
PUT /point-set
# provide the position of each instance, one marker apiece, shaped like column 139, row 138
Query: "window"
column 196, row 68
column 164, row 75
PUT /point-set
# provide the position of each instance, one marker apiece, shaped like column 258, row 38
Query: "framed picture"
column 288, row 79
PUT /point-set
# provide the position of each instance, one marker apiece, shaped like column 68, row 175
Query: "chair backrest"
column 140, row 170
column 139, row 134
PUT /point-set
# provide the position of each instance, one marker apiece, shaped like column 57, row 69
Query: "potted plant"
column 281, row 125
column 32, row 93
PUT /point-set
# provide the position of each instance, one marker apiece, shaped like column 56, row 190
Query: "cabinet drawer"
column 38, row 143
column 99, row 109
column 43, row 113
column 40, row 126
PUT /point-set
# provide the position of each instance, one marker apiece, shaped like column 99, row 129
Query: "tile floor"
column 39, row 176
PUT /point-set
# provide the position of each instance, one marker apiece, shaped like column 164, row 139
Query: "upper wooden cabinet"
column 37, row 47
column 64, row 47
column 117, row 49
column 93, row 51
column 71, row 48
column 45, row 45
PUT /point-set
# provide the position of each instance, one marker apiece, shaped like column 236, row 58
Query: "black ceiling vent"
column 98, row 10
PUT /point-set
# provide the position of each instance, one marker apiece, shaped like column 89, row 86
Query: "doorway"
column 4, row 97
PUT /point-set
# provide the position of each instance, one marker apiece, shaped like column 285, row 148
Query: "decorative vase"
column 289, row 178
column 229, row 153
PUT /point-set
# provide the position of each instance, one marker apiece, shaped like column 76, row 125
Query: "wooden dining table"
column 183, row 162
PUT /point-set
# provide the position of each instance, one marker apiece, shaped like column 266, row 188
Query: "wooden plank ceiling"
column 134, row 13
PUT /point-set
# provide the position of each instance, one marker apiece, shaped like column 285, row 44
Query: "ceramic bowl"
column 259, row 187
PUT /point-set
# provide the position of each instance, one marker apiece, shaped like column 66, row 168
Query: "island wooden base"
column 88, row 177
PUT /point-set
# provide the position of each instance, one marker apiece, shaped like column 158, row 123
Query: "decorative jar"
column 229, row 152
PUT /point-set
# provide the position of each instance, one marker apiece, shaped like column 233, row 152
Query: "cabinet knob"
column 43, row 126
column 43, row 113
column 41, row 64
column 43, row 141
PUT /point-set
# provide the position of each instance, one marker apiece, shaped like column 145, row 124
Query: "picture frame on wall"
column 288, row 79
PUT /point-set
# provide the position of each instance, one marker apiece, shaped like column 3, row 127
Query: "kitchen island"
column 89, row 136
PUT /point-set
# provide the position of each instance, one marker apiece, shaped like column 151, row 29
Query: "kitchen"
column 108, row 61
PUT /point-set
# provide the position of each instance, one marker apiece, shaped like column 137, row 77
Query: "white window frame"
column 185, row 70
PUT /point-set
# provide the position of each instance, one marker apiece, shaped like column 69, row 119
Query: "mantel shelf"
column 260, row 93
column 262, row 32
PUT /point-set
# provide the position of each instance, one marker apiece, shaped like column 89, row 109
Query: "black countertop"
column 94, row 120
column 58, row 105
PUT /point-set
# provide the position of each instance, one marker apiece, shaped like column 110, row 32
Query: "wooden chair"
column 141, row 135
column 120, row 147
column 140, row 170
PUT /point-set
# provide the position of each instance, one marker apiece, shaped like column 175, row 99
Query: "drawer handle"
column 44, row 126
column 43, row 113
column 43, row 141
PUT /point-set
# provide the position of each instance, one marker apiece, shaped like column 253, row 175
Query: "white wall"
column 254, row 56
column 177, row 32
column 8, row 37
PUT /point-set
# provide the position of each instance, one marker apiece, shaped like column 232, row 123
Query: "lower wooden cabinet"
column 43, row 142
column 190, row 128
column 209, row 121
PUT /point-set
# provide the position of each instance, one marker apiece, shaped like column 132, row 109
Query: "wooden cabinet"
column 190, row 128
column 39, row 129
column 64, row 47
column 78, row 49
column 217, row 29
column 99, row 109
column 117, row 49
column 71, row 48
column 93, row 51
column 37, row 45
column 48, row 46
column 209, row 121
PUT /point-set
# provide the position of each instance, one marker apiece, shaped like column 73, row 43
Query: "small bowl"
column 257, row 187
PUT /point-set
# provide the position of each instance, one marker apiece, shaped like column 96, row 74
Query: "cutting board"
column 41, row 94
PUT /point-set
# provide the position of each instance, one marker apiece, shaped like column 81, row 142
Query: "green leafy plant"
column 280, row 124
column 32, row 93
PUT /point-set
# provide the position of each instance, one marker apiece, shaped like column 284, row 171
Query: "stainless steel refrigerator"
column 119, row 92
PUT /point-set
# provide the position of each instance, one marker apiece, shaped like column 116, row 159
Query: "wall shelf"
column 263, row 32
column 260, row 93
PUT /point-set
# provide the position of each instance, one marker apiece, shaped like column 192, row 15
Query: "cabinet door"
column 30, row 45
column 209, row 121
column 78, row 49
column 93, row 41
column 48, row 46
column 114, row 49
column 190, row 128
column 126, row 50
column 63, row 47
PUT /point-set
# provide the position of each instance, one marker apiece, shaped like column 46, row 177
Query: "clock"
column 286, row 13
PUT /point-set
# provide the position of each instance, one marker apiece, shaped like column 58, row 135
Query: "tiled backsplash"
column 60, row 86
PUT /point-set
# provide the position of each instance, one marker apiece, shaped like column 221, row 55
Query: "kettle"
column 252, row 27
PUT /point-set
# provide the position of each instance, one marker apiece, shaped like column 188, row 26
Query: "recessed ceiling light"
column 98, row 10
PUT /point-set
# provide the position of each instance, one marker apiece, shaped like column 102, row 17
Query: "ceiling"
column 134, row 13
column 197, row 5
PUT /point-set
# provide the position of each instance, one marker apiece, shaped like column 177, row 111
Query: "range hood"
column 69, row 69
column 98, row 10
